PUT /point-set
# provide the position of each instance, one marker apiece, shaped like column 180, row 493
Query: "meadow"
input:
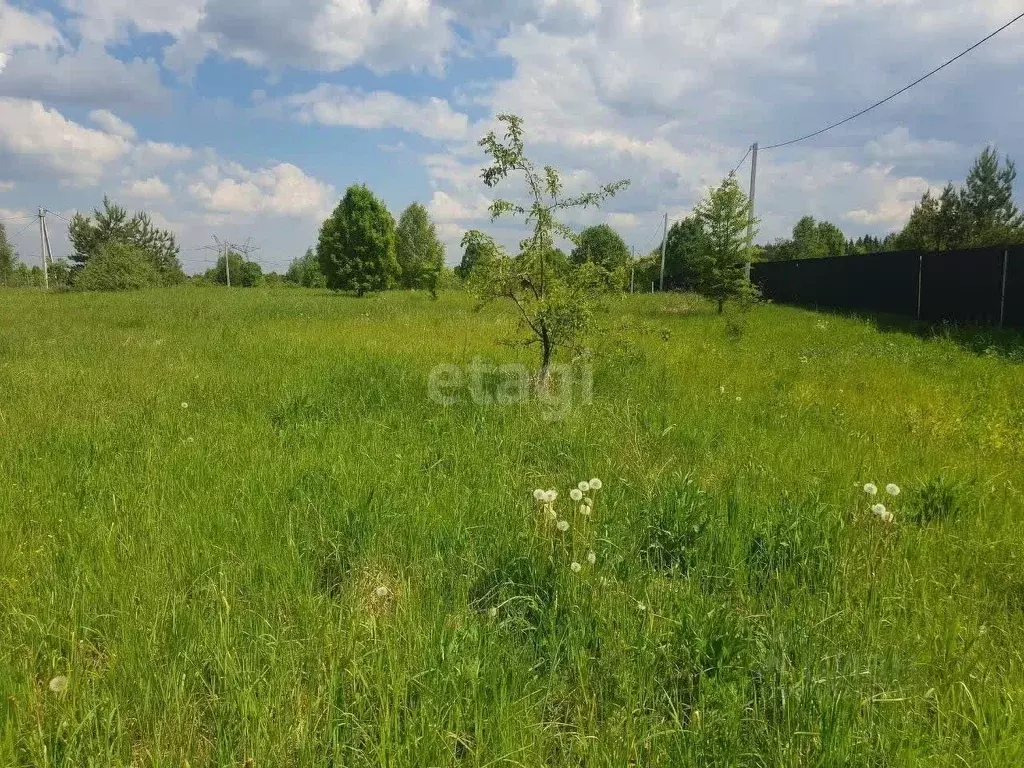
column 237, row 531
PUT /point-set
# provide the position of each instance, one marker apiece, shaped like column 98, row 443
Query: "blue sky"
column 249, row 119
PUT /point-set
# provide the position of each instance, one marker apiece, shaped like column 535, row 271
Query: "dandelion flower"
column 738, row 398
column 551, row 496
column 584, row 486
column 641, row 607
column 585, row 510
column 576, row 567
column 539, row 495
column 382, row 591
column 184, row 405
column 563, row 525
column 59, row 684
column 493, row 612
column 588, row 502
column 595, row 484
column 591, row 558
column 871, row 489
column 721, row 390
column 575, row 494
column 879, row 509
column 892, row 489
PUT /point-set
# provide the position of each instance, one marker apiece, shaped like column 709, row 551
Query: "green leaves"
column 356, row 247
column 420, row 254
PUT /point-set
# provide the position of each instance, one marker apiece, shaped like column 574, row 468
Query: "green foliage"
column 242, row 273
column 554, row 300
column 419, row 252
column 811, row 240
column 88, row 235
column 724, row 216
column 8, row 259
column 605, row 247
column 306, row 271
column 356, row 248
column 478, row 250
column 116, row 266
column 686, row 248
column 980, row 213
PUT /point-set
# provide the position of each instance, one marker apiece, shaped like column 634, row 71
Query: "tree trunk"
column 721, row 305
column 545, row 365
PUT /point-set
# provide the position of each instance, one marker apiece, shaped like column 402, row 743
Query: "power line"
column 59, row 216
column 19, row 218
column 25, row 227
column 900, row 91
column 740, row 163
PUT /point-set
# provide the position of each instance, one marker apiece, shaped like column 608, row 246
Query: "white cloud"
column 87, row 76
column 152, row 189
column 898, row 145
column 107, row 20
column 6, row 186
column 43, row 138
column 154, row 154
column 282, row 190
column 111, row 123
column 339, row 105
column 20, row 28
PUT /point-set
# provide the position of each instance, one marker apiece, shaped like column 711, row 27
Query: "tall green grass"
column 208, row 578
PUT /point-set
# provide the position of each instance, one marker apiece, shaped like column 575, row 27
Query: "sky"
column 248, row 119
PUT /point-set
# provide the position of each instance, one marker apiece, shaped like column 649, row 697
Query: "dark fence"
column 983, row 286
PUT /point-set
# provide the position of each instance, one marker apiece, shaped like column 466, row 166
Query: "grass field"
column 314, row 564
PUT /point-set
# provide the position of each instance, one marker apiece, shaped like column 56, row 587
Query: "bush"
column 118, row 267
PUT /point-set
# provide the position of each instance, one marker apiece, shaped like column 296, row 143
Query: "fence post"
column 920, row 270
column 1002, row 296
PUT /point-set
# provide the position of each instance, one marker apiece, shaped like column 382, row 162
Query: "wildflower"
column 721, row 390
column 382, row 592
column 584, row 486
column 588, row 502
column 585, row 510
column 59, row 684
column 576, row 567
column 493, row 612
column 892, row 489
column 595, row 484
column 879, row 509
column 575, row 494
column 738, row 398
column 550, row 496
column 641, row 607
column 184, row 405
column 539, row 495
column 563, row 525
column 591, row 558
column 871, row 489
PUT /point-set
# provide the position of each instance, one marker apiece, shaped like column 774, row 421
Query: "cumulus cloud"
column 152, row 189
column 20, row 28
column 338, row 105
column 111, row 123
column 32, row 135
column 282, row 189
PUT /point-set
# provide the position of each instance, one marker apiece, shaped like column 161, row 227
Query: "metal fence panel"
column 1014, row 317
column 962, row 286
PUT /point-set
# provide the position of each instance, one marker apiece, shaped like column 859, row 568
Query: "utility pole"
column 664, row 241
column 42, row 247
column 750, row 218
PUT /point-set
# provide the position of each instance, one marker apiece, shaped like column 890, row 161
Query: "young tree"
column 987, row 200
column 117, row 266
column 478, row 250
column 555, row 308
column 113, row 225
column 604, row 246
column 686, row 246
column 356, row 248
column 7, row 258
column 305, row 271
column 420, row 254
column 724, row 216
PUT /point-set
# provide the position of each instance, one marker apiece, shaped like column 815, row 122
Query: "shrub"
column 118, row 267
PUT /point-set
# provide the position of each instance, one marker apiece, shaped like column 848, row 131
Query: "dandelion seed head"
column 879, row 509
column 738, row 398
column 575, row 494
column 721, row 389
column 584, row 486
column 591, row 558
column 539, row 494
column 588, row 502
column 576, row 567
column 382, row 591
column 892, row 489
column 59, row 684
column 585, row 510
column 563, row 525
column 550, row 496
column 492, row 612
column 184, row 405
column 595, row 484
column 871, row 489
column 641, row 607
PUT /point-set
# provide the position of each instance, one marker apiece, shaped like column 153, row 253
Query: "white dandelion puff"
column 184, row 405
column 576, row 567
column 585, row 510
column 382, row 591
column 892, row 489
column 738, row 398
column 493, row 613
column 575, row 494
column 721, row 390
column 595, row 484
column 584, row 486
column 588, row 502
column 641, row 607
column 539, row 494
column 591, row 558
column 563, row 525
column 871, row 489
column 59, row 684
column 551, row 495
